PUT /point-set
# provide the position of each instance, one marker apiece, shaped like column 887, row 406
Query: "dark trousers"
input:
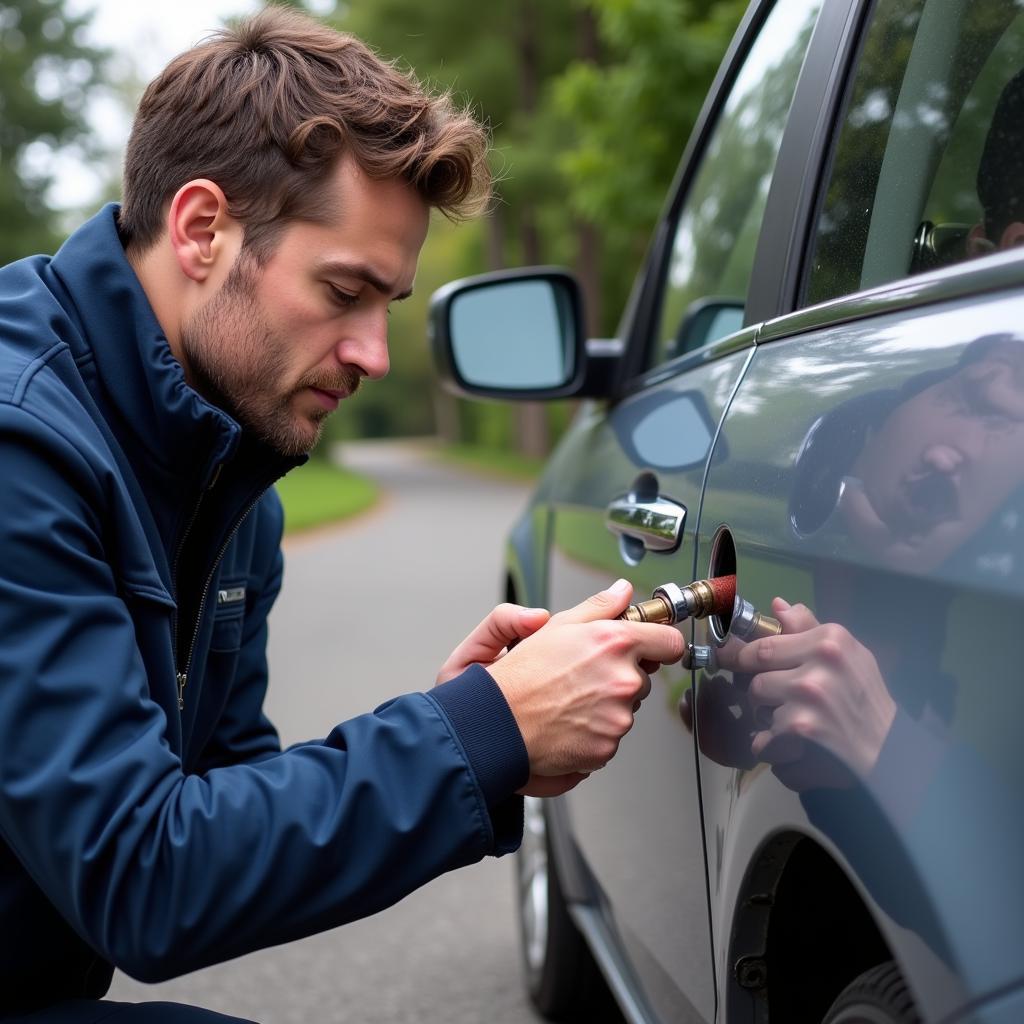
column 91, row 1011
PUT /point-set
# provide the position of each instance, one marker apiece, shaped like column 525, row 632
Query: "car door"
column 871, row 468
column 628, row 479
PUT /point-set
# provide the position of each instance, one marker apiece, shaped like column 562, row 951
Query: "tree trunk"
column 588, row 270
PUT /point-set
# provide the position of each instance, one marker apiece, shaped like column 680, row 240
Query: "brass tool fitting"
column 672, row 604
column 655, row 610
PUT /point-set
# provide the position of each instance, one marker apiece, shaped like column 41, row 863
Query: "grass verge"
column 319, row 493
column 494, row 463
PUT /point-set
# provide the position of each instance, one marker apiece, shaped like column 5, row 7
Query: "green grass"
column 319, row 493
column 492, row 462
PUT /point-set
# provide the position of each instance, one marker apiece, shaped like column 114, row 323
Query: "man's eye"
column 343, row 299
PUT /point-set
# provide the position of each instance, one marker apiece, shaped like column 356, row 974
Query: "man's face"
column 280, row 345
column 947, row 458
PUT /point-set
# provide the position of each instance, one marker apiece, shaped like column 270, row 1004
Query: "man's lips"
column 329, row 397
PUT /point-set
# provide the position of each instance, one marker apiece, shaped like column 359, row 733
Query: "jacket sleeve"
column 163, row 872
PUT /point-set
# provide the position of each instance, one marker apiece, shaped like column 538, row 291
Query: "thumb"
column 606, row 604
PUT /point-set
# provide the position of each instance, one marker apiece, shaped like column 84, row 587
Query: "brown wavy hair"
column 266, row 107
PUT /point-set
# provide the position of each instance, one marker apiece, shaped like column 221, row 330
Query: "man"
column 156, row 376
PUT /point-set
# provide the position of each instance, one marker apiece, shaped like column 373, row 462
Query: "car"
column 817, row 386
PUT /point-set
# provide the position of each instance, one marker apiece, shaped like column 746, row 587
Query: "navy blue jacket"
column 148, row 817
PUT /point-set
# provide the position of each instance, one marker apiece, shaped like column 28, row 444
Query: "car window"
column 929, row 160
column 710, row 260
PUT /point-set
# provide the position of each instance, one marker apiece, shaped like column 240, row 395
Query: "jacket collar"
column 158, row 414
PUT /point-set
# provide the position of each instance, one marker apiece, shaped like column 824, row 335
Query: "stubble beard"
column 237, row 362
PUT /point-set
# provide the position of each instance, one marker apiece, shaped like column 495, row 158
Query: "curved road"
column 370, row 609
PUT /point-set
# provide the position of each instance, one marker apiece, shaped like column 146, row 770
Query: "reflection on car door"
column 871, row 467
column 638, row 823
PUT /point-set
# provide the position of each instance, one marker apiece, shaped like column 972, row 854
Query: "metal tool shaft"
column 671, row 604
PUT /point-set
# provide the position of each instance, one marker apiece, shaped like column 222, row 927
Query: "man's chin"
column 292, row 438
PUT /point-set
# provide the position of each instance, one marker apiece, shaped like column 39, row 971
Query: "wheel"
column 562, row 978
column 878, row 996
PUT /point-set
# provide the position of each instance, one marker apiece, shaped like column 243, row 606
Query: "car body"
column 818, row 384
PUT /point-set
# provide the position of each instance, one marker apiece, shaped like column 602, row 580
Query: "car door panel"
column 840, row 491
column 651, row 871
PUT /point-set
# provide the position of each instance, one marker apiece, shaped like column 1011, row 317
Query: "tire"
column 878, row 996
column 563, row 980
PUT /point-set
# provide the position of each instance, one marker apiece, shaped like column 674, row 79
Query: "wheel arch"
column 801, row 932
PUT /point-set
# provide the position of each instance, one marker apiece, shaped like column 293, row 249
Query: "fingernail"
column 783, row 604
column 619, row 587
column 529, row 613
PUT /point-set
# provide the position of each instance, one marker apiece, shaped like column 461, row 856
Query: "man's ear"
column 978, row 244
column 204, row 236
column 1012, row 236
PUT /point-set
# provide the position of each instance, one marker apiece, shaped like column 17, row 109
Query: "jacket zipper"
column 183, row 673
column 174, row 587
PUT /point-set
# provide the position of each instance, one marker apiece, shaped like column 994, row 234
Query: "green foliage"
column 46, row 75
column 590, row 104
column 634, row 114
column 320, row 493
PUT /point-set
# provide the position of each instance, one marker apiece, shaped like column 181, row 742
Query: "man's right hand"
column 575, row 684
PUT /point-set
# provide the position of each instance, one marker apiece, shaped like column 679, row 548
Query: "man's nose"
column 943, row 458
column 368, row 349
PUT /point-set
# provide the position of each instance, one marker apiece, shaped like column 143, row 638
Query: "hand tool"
column 672, row 604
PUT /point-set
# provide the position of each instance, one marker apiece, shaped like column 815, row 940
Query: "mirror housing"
column 512, row 334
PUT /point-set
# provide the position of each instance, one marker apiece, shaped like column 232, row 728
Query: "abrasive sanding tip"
column 724, row 589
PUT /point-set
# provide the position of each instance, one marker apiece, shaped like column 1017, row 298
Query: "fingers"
column 790, row 650
column 784, row 740
column 645, row 691
column 604, row 605
column 662, row 645
column 774, row 688
column 797, row 618
column 505, row 623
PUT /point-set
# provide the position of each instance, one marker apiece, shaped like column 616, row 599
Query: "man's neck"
column 157, row 272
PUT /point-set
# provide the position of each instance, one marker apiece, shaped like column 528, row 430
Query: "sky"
column 143, row 37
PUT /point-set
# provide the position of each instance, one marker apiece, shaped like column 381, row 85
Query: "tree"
column 46, row 75
column 590, row 103
column 630, row 117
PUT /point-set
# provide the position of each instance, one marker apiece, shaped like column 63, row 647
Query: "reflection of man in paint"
column 930, row 464
column 850, row 707
column 934, row 470
column 931, row 474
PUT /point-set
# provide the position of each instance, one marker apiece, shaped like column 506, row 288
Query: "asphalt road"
column 371, row 609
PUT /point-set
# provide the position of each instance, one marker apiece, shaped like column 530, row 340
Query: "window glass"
column 928, row 166
column 713, row 250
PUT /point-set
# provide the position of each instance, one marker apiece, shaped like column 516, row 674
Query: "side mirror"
column 510, row 334
column 707, row 320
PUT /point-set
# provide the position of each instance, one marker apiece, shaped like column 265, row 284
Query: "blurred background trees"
column 46, row 76
column 590, row 103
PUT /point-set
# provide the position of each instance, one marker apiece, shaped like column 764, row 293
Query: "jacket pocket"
column 228, row 616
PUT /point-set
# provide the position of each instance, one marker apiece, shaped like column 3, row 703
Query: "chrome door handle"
column 657, row 524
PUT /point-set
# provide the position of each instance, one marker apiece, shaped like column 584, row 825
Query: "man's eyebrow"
column 366, row 273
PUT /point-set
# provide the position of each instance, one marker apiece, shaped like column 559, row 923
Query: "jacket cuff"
column 507, row 822
column 484, row 723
